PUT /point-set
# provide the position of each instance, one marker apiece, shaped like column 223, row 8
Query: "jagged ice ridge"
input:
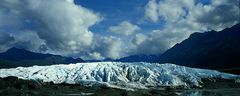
column 116, row 74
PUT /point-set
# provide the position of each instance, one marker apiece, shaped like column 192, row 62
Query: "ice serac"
column 116, row 74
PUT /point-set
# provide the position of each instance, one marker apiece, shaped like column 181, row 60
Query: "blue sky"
column 114, row 13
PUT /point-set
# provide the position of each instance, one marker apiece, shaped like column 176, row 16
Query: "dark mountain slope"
column 212, row 50
column 139, row 58
column 15, row 57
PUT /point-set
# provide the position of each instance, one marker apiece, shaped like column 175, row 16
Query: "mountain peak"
column 212, row 50
column 17, row 50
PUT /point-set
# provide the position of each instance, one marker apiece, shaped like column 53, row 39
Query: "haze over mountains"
column 16, row 57
column 132, row 58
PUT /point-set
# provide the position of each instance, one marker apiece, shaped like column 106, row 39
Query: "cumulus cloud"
column 107, row 47
column 28, row 40
column 61, row 24
column 6, row 41
column 185, row 18
column 139, row 38
column 62, row 27
column 57, row 26
column 151, row 11
column 124, row 28
column 168, row 10
column 24, row 39
column 218, row 15
column 95, row 56
column 190, row 11
column 156, row 42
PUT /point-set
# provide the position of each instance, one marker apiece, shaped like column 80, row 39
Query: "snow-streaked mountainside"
column 117, row 74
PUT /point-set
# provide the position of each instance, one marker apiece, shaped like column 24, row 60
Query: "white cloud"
column 124, row 28
column 168, row 10
column 95, row 56
column 59, row 27
column 104, row 47
column 217, row 16
column 151, row 11
column 108, row 47
column 184, row 17
column 70, row 1
column 63, row 25
column 6, row 41
column 139, row 38
column 69, row 24
column 28, row 40
column 155, row 42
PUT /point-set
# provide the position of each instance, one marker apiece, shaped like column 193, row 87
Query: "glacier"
column 138, row 75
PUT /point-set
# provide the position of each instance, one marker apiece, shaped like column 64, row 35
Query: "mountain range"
column 15, row 57
column 139, row 58
column 210, row 50
column 131, row 58
column 207, row 50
